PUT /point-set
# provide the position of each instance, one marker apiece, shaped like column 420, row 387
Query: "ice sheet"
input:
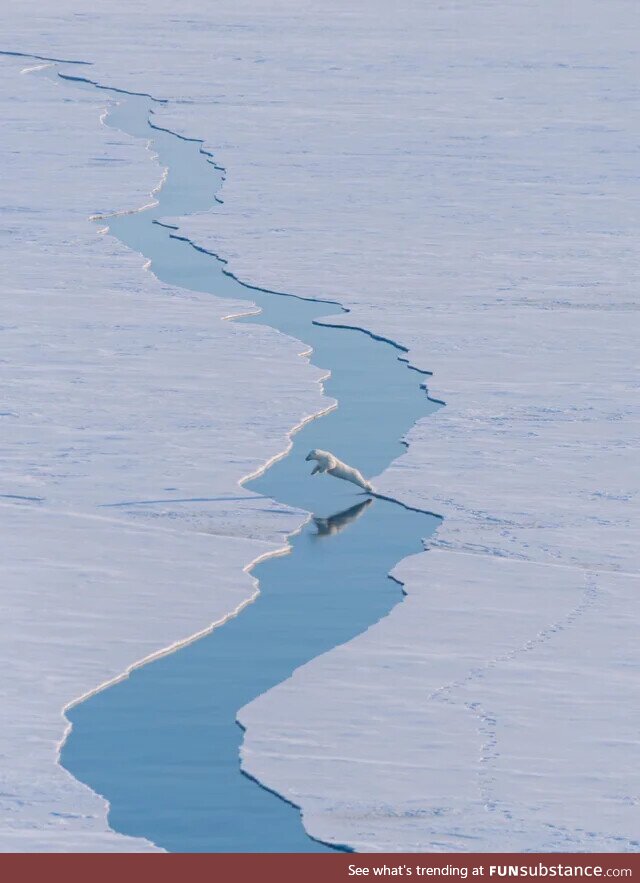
column 124, row 528
column 464, row 177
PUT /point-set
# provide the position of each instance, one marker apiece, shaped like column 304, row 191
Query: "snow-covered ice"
column 464, row 177
column 124, row 529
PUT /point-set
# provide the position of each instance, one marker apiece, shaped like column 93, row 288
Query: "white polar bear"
column 327, row 462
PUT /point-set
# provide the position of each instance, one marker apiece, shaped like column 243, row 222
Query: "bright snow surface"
column 464, row 177
column 124, row 528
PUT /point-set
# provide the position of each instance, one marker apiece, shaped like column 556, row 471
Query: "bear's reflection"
column 333, row 524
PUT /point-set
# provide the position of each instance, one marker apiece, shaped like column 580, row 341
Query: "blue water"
column 163, row 745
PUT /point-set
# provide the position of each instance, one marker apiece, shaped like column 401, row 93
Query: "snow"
column 463, row 177
column 124, row 529
column 478, row 716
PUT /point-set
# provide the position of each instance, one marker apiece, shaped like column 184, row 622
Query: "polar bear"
column 327, row 462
